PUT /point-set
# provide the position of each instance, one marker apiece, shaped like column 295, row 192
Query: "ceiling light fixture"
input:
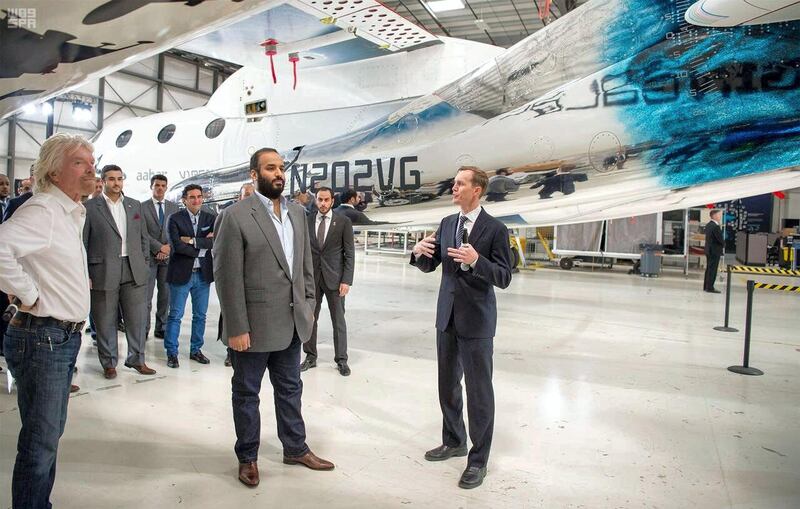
column 445, row 5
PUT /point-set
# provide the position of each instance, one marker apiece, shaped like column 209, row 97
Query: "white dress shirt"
column 284, row 226
column 120, row 219
column 328, row 218
column 42, row 256
column 195, row 218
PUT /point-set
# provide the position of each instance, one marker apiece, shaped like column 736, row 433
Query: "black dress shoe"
column 172, row 361
column 199, row 357
column 472, row 477
column 159, row 334
column 308, row 364
column 228, row 359
column 343, row 368
column 444, row 452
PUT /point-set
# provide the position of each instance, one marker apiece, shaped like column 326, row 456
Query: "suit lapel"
column 478, row 227
column 262, row 219
column 333, row 225
column 297, row 219
column 106, row 213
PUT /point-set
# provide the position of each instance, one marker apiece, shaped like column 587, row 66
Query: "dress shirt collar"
column 62, row 199
column 472, row 215
column 110, row 202
column 347, row 205
column 268, row 204
column 328, row 216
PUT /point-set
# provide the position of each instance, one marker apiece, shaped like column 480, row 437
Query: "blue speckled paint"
column 736, row 114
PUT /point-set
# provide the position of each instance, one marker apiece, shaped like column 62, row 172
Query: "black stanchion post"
column 745, row 368
column 726, row 328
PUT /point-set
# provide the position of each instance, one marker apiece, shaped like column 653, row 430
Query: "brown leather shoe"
column 248, row 474
column 142, row 369
column 110, row 373
column 310, row 460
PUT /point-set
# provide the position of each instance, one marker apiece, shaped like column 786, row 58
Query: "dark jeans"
column 41, row 360
column 472, row 359
column 712, row 265
column 284, row 374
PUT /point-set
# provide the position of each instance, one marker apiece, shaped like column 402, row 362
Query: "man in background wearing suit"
column 333, row 253
column 265, row 282
column 714, row 248
column 156, row 213
column 190, row 272
column 5, row 190
column 17, row 202
column 473, row 249
column 117, row 249
column 348, row 208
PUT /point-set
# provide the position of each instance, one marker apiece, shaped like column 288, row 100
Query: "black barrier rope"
column 745, row 368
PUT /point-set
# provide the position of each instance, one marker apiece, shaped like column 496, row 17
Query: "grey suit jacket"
column 157, row 233
column 334, row 260
column 103, row 244
column 255, row 289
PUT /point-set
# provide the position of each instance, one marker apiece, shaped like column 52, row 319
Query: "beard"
column 268, row 188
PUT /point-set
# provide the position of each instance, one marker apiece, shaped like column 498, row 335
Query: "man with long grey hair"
column 43, row 264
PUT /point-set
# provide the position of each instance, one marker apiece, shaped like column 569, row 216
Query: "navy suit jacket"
column 15, row 203
column 468, row 296
column 714, row 241
column 181, row 259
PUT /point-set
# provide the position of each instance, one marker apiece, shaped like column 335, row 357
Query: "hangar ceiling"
column 498, row 22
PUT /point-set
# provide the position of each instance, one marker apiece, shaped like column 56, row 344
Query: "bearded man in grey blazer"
column 117, row 251
column 265, row 282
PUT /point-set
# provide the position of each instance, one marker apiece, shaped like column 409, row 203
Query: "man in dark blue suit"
column 475, row 254
column 190, row 272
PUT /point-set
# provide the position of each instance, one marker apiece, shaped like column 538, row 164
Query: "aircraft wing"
column 47, row 50
column 323, row 33
column 731, row 13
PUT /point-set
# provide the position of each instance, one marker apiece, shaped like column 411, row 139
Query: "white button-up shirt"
column 328, row 219
column 284, row 226
column 120, row 219
column 472, row 216
column 42, row 256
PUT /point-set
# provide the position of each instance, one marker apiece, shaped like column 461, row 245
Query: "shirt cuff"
column 29, row 298
column 473, row 264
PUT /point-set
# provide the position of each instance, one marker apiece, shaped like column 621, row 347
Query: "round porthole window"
column 165, row 134
column 124, row 138
column 214, row 128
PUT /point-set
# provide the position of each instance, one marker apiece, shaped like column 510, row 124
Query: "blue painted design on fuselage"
column 721, row 102
column 382, row 130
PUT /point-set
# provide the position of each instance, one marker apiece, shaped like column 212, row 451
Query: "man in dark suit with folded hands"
column 474, row 251
column 190, row 272
column 333, row 252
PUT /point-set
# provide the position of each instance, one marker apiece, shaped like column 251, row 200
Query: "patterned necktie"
column 321, row 232
column 161, row 213
column 461, row 230
column 194, row 224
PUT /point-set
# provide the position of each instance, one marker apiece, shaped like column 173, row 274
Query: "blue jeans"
column 198, row 289
column 41, row 360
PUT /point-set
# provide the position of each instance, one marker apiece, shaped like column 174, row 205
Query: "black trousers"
column 336, row 307
column 712, row 265
column 471, row 359
column 287, row 388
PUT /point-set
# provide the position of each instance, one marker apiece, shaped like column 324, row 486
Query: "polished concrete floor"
column 611, row 392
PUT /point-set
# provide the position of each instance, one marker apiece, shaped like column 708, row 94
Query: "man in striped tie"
column 156, row 214
column 474, row 251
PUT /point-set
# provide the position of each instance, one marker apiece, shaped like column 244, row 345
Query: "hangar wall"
column 164, row 82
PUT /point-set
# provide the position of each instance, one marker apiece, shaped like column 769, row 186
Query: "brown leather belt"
column 24, row 320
